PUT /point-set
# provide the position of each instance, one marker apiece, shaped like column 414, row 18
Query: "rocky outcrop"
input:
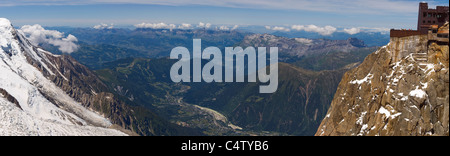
column 391, row 94
column 10, row 98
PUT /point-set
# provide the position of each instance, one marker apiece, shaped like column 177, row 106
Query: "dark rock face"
column 391, row 93
column 7, row 96
column 357, row 43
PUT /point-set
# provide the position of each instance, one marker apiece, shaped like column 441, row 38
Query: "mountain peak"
column 356, row 42
column 31, row 102
column 4, row 22
column 5, row 31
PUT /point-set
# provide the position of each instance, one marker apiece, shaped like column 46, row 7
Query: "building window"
column 424, row 22
column 429, row 22
column 424, row 14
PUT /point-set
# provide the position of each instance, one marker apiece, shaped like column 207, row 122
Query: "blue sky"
column 336, row 13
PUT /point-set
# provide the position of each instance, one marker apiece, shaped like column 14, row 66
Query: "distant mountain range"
column 97, row 47
column 295, row 109
column 370, row 38
column 296, row 49
column 131, row 86
column 106, row 45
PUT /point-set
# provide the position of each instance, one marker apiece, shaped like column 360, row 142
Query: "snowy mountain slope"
column 14, row 121
column 45, row 109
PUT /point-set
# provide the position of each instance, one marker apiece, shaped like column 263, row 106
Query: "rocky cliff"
column 393, row 92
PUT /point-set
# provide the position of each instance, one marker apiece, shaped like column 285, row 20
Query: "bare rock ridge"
column 401, row 89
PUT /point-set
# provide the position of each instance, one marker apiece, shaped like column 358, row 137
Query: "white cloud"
column 235, row 27
column 276, row 28
column 224, row 28
column 36, row 34
column 375, row 30
column 156, row 26
column 325, row 31
column 204, row 25
column 104, row 26
column 208, row 25
column 352, row 31
column 185, row 26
